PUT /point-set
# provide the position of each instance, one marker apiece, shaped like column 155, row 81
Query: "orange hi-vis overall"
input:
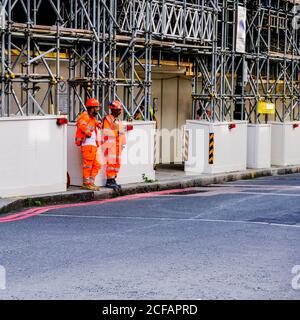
column 113, row 141
column 86, row 137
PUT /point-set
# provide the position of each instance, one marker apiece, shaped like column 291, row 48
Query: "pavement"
column 234, row 240
column 166, row 178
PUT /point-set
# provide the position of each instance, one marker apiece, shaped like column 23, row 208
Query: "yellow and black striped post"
column 155, row 148
column 157, row 136
column 211, row 148
column 186, row 145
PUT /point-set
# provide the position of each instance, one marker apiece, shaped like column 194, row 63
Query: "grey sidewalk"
column 165, row 179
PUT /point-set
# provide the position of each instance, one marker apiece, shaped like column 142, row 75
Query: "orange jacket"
column 113, row 132
column 85, row 126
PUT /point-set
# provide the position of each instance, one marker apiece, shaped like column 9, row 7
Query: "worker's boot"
column 110, row 183
column 87, row 186
column 118, row 186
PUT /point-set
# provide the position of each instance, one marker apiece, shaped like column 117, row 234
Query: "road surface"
column 239, row 240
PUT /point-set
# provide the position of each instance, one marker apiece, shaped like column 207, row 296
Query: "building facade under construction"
column 55, row 54
column 222, row 75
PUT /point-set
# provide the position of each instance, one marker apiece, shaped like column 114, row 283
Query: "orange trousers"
column 113, row 161
column 90, row 164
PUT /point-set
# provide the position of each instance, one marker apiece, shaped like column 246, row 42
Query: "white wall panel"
column 285, row 144
column 259, row 146
column 230, row 147
column 33, row 156
column 137, row 157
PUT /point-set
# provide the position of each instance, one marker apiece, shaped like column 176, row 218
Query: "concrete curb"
column 205, row 180
column 75, row 196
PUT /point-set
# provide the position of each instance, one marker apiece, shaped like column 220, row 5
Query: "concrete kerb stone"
column 11, row 205
column 48, row 199
column 14, row 204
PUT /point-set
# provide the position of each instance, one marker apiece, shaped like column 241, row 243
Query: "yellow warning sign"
column 265, row 107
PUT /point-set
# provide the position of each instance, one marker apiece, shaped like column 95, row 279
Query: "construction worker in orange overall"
column 87, row 139
column 113, row 142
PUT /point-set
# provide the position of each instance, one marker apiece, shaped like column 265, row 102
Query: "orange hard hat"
column 92, row 102
column 116, row 105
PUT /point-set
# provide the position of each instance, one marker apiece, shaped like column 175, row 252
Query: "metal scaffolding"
column 273, row 59
column 56, row 53
column 230, row 82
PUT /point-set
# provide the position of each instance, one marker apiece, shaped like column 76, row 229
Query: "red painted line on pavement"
column 37, row 211
column 21, row 215
column 17, row 215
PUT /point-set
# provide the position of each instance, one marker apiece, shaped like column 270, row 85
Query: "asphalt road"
column 234, row 241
